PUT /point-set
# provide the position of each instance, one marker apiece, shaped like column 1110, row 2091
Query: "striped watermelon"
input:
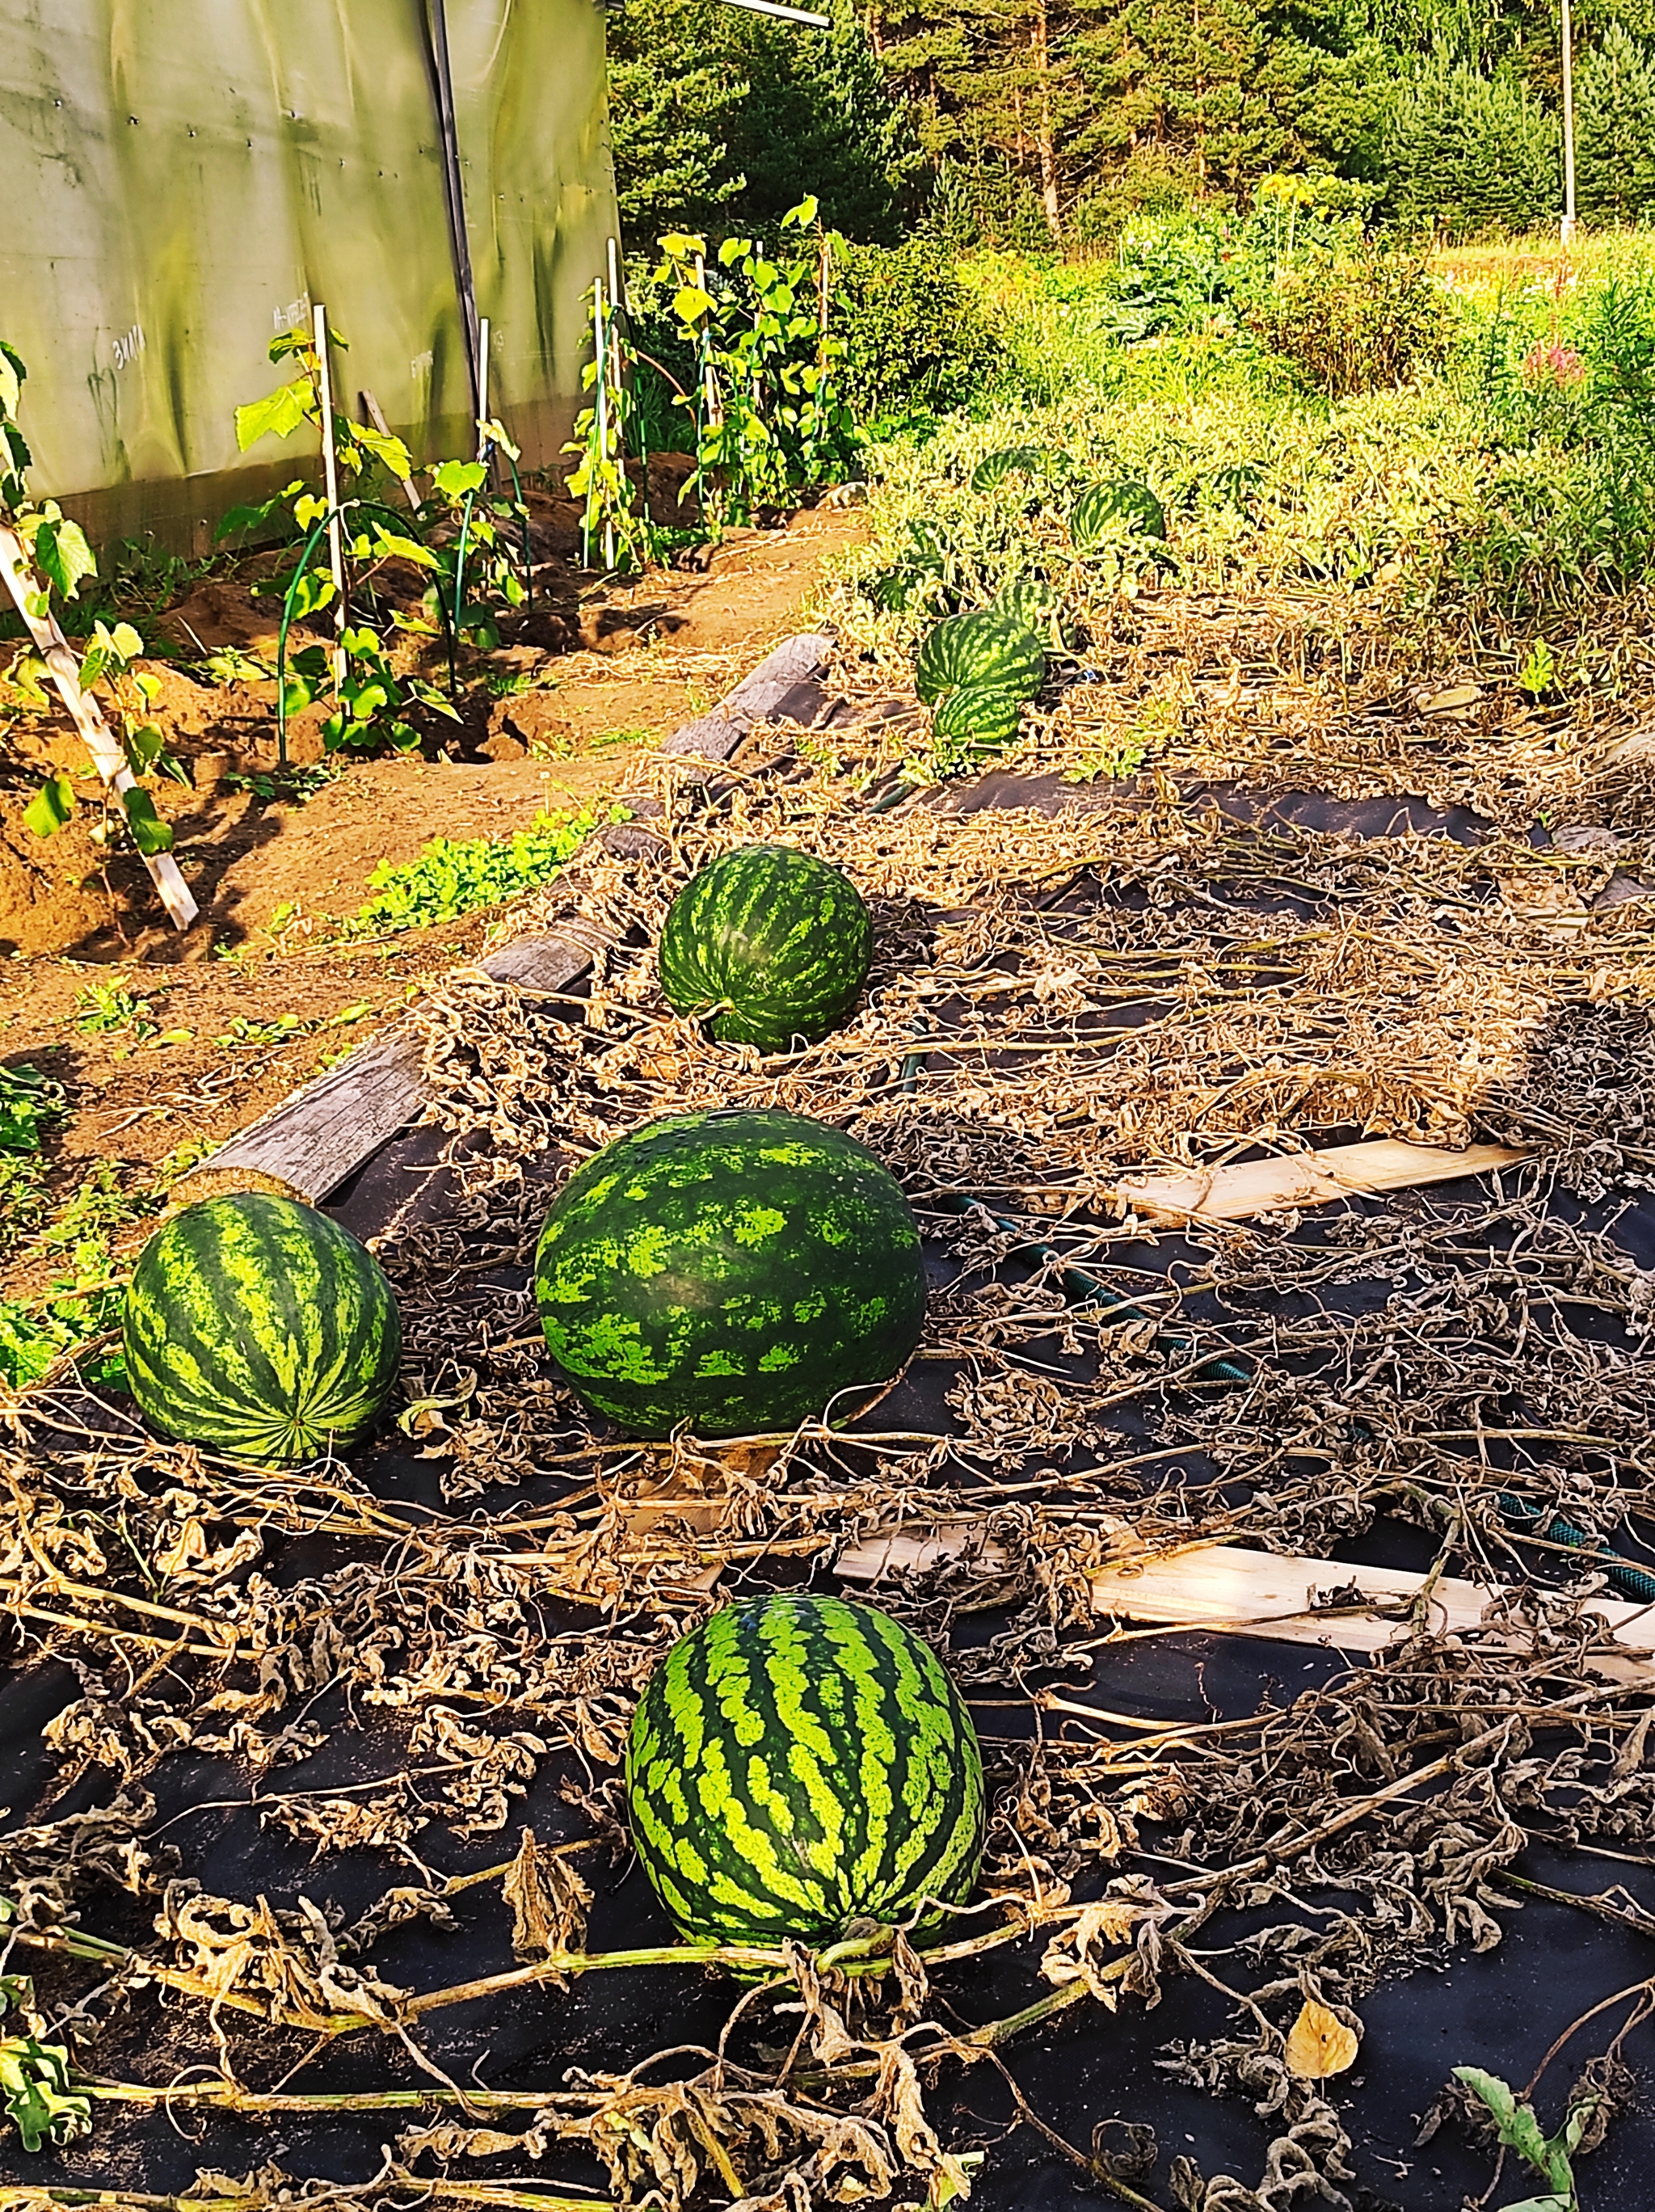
column 985, row 646
column 797, row 1763
column 978, row 715
column 260, row 1328
column 773, row 945
column 735, row 1271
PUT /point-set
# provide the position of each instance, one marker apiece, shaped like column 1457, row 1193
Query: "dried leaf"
column 1320, row 2045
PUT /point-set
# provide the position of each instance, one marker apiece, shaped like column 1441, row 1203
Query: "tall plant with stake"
column 45, row 559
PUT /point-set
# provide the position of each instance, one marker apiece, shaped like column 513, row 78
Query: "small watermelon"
column 978, row 715
column 259, row 1328
column 772, row 946
column 797, row 1763
column 985, row 646
column 992, row 471
column 1096, row 513
column 736, row 1271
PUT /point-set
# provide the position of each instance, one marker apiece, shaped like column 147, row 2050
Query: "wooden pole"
column 105, row 747
column 331, row 482
column 482, row 388
column 1568, row 128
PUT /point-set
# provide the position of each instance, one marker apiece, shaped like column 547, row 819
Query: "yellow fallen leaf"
column 1319, row 2043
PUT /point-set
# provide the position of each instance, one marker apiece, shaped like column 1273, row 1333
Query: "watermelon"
column 985, row 647
column 772, row 944
column 798, row 1763
column 260, row 1328
column 736, row 1271
column 978, row 715
column 992, row 471
column 1130, row 504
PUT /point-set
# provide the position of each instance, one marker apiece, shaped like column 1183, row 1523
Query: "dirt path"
column 209, row 1051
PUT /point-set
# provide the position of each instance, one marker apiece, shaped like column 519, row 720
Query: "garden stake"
column 107, row 756
column 330, row 484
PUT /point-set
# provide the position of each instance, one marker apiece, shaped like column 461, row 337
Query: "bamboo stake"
column 84, row 710
column 331, row 481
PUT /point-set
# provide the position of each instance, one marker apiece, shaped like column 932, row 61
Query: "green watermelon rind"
column 980, row 715
column 259, row 1328
column 1103, row 504
column 800, row 1762
column 733, row 1271
column 984, row 647
column 772, row 946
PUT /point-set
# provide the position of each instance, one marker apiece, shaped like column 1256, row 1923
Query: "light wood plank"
column 1231, row 1589
column 1247, row 1187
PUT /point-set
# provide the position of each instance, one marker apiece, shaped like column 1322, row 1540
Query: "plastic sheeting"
column 183, row 179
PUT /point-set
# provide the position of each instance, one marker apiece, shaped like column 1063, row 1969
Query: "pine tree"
column 1614, row 130
column 1466, row 153
column 673, row 103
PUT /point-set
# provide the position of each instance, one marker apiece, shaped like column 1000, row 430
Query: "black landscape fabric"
column 250, row 1797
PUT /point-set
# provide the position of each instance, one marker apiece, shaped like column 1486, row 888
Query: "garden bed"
column 366, row 1681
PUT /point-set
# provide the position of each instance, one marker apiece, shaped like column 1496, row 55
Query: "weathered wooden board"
column 1247, row 1187
column 323, row 1133
column 755, row 699
column 1229, row 1589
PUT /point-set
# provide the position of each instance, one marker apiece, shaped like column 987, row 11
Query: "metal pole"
column 330, row 484
column 454, row 187
column 1568, row 128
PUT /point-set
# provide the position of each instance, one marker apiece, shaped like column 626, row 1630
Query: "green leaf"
column 63, row 556
column 691, row 302
column 392, row 545
column 733, row 250
column 11, row 382
column 144, row 746
column 149, row 833
column 308, row 509
column 802, row 217
column 1545, row 2204
column 277, row 415
column 453, row 479
column 391, row 451
column 35, row 2081
column 247, row 518
column 50, row 807
column 126, row 641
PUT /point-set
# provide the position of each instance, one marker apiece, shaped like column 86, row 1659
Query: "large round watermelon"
column 258, row 1326
column 985, row 647
column 734, row 1271
column 797, row 1763
column 772, row 944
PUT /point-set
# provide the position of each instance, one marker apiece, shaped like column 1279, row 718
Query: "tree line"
column 1052, row 122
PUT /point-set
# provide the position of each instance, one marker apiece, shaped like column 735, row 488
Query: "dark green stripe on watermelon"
column 260, row 1328
column 773, row 945
column 732, row 1271
column 799, row 1762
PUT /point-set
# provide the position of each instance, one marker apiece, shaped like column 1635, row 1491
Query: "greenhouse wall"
column 184, row 178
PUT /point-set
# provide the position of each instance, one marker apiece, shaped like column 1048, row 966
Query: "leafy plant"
column 103, row 1008
column 768, row 417
column 1550, row 2156
column 29, row 1104
column 453, row 877
column 1359, row 321
column 61, row 561
column 34, row 2076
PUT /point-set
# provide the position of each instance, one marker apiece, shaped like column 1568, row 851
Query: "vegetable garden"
column 500, row 1658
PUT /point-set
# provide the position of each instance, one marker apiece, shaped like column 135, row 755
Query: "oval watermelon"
column 772, row 944
column 985, row 646
column 1132, row 505
column 260, row 1328
column 797, row 1763
column 978, row 715
column 735, row 1271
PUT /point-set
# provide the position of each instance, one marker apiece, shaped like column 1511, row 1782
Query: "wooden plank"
column 108, row 755
column 754, row 699
column 1230, row 1589
column 314, row 1139
column 1247, row 1187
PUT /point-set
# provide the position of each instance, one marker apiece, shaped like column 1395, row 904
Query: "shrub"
column 1615, row 153
column 915, row 341
column 1361, row 321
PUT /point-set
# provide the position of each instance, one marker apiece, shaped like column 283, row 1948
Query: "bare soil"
column 611, row 670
